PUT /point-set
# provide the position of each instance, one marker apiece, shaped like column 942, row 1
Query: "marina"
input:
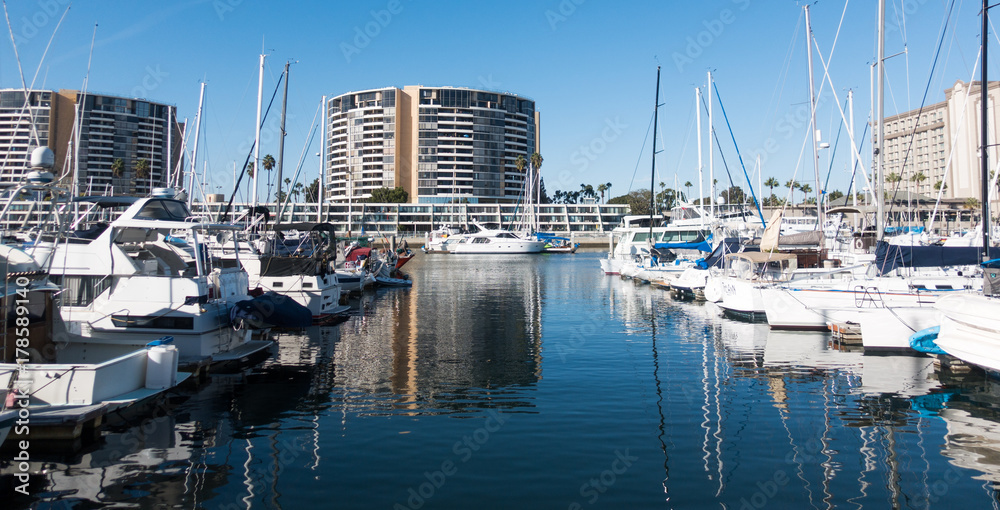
column 421, row 311
column 574, row 387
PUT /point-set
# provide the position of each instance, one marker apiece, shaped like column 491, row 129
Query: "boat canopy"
column 810, row 238
column 891, row 256
column 287, row 266
column 356, row 253
column 760, row 257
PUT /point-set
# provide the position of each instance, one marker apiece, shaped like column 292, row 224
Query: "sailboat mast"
column 194, row 151
column 256, row 145
column 812, row 120
column 322, row 166
column 854, row 156
column 168, row 168
column 880, row 128
column 984, row 140
column 711, row 150
column 652, row 174
column 281, row 140
column 701, row 179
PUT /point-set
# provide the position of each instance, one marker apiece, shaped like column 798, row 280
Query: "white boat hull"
column 891, row 328
column 742, row 298
column 504, row 246
column 970, row 329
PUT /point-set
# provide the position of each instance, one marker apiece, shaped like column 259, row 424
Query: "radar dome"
column 43, row 158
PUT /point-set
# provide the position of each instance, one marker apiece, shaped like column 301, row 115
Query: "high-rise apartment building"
column 24, row 126
column 110, row 129
column 938, row 146
column 440, row 144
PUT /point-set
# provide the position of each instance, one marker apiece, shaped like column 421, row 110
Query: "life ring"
column 858, row 244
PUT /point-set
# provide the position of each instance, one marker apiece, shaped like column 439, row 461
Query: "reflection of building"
column 925, row 139
column 112, row 128
column 441, row 144
column 465, row 343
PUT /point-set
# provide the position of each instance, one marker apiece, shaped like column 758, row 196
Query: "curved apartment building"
column 441, row 144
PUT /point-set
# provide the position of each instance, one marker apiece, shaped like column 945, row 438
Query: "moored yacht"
column 294, row 260
column 496, row 241
column 131, row 279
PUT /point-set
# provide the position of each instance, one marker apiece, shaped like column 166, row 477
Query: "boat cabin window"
column 684, row 213
column 164, row 210
column 506, row 235
column 481, row 240
column 684, row 236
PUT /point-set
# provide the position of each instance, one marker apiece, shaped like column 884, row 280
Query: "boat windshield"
column 164, row 210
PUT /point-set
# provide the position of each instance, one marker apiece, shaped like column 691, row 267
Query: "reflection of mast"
column 659, row 402
column 710, row 432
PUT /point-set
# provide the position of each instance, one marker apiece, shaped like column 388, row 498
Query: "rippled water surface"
column 538, row 382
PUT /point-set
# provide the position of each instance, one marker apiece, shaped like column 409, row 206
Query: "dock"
column 847, row 333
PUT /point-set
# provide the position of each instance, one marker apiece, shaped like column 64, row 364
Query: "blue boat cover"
column 992, row 264
column 924, row 341
column 728, row 245
column 702, row 246
column 890, row 256
column 271, row 310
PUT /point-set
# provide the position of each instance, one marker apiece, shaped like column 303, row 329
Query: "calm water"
column 537, row 382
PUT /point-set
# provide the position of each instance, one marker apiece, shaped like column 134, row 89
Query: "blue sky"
column 590, row 66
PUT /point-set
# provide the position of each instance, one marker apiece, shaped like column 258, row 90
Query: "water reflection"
column 467, row 336
column 713, row 412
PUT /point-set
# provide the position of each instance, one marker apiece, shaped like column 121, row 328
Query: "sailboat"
column 970, row 324
column 891, row 296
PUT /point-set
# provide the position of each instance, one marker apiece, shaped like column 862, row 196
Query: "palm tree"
column 805, row 189
column 893, row 178
column 688, row 186
column 267, row 162
column 141, row 168
column 918, row 178
column 772, row 183
column 607, row 187
column 250, row 169
column 792, row 186
column 118, row 167
column 940, row 185
column 971, row 203
column 601, row 189
column 520, row 163
column 536, row 163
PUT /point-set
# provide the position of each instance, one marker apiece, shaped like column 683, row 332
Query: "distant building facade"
column 440, row 144
column 938, row 146
column 111, row 128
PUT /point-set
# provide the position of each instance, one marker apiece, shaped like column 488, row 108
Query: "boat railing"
column 870, row 296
